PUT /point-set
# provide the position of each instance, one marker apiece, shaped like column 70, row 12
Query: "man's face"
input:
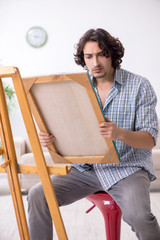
column 98, row 65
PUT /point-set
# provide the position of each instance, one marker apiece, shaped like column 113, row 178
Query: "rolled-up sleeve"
column 146, row 117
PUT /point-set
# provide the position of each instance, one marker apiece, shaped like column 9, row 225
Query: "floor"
column 79, row 225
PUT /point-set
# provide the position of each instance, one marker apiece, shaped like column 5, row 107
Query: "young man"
column 128, row 101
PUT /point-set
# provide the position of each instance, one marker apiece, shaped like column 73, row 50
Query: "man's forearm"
column 135, row 139
column 140, row 139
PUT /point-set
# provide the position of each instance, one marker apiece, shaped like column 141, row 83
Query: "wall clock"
column 36, row 36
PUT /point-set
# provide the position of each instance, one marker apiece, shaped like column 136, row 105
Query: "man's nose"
column 95, row 61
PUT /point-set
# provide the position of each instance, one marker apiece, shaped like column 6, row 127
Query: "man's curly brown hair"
column 110, row 46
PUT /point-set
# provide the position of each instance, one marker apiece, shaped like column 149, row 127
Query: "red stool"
column 111, row 212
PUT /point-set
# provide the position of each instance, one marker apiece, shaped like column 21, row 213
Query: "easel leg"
column 39, row 158
column 10, row 158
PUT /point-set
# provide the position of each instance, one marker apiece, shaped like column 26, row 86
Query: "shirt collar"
column 119, row 76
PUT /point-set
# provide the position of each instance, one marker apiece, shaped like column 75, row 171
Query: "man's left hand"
column 108, row 129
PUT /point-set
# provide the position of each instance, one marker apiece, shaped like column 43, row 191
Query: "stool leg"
column 111, row 213
column 112, row 220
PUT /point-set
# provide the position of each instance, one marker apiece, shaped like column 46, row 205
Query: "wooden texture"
column 10, row 158
column 67, row 107
column 82, row 152
column 1, row 151
column 52, row 170
column 39, row 158
column 32, row 169
column 10, row 165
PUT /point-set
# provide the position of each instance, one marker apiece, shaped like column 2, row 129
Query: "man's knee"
column 138, row 219
column 36, row 194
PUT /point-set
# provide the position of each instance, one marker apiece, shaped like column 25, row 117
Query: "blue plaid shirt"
column 130, row 104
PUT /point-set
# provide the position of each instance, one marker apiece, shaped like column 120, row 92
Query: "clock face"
column 36, row 37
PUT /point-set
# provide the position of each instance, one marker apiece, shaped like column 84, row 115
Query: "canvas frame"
column 84, row 80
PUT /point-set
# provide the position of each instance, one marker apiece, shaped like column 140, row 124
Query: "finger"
column 107, row 118
column 43, row 134
column 104, row 131
column 104, row 125
column 108, row 136
column 47, row 140
column 105, row 134
column 46, row 137
column 46, row 143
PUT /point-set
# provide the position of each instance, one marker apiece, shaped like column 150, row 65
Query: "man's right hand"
column 46, row 139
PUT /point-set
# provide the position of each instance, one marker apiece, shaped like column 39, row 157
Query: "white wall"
column 136, row 23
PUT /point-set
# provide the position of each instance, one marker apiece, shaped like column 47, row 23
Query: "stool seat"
column 111, row 212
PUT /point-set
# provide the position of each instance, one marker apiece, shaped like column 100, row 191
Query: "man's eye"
column 88, row 57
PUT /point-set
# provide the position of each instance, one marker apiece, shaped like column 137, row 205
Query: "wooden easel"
column 10, row 164
column 28, row 105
